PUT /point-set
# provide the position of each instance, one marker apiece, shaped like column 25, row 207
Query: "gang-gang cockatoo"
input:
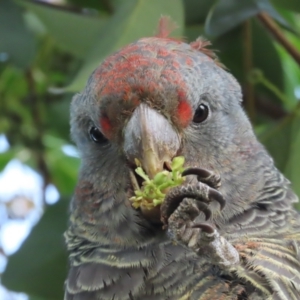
column 228, row 232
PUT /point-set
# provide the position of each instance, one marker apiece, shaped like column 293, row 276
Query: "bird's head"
column 153, row 100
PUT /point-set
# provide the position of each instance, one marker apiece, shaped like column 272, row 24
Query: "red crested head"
column 152, row 70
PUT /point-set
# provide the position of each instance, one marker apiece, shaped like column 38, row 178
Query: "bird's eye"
column 97, row 136
column 201, row 114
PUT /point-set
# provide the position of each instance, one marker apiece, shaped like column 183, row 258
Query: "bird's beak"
column 150, row 138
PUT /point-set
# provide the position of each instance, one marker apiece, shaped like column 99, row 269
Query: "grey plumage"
column 115, row 252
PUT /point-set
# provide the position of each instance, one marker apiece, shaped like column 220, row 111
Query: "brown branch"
column 269, row 108
column 269, row 23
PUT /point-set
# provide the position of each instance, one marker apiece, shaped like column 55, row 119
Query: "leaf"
column 17, row 42
column 63, row 168
column 292, row 169
column 59, row 111
column 5, row 158
column 196, row 11
column 265, row 55
column 277, row 141
column 192, row 32
column 227, row 14
column 134, row 19
column 283, row 143
column 39, row 268
column 291, row 72
column 75, row 32
column 35, row 298
column 293, row 5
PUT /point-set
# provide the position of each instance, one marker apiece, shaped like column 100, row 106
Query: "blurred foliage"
column 47, row 52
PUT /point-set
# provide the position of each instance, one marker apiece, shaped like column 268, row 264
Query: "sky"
column 20, row 182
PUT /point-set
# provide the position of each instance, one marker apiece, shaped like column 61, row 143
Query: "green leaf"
column 59, row 111
column 177, row 163
column 293, row 5
column 291, row 71
column 196, row 11
column 17, row 42
column 75, row 32
column 283, row 143
column 265, row 55
column 35, row 298
column 142, row 173
column 5, row 158
column 192, row 32
column 277, row 140
column 39, row 268
column 292, row 169
column 134, row 19
column 63, row 169
column 227, row 14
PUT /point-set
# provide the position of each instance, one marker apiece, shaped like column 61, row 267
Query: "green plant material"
column 70, row 28
column 47, row 251
column 122, row 29
column 153, row 191
column 18, row 43
column 225, row 15
column 257, row 77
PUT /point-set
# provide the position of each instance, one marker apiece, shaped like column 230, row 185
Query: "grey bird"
column 229, row 232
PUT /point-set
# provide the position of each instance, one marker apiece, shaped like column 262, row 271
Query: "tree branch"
column 272, row 27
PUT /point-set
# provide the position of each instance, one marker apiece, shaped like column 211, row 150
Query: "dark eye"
column 201, row 114
column 97, row 136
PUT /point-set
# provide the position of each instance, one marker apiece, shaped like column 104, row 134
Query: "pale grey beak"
column 150, row 138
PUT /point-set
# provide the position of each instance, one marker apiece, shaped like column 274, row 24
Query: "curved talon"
column 217, row 196
column 204, row 208
column 204, row 176
column 167, row 210
column 202, row 173
column 176, row 196
column 206, row 227
column 202, row 197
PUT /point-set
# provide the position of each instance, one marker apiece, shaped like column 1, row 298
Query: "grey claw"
column 204, row 176
column 202, row 173
column 217, row 196
column 206, row 227
column 168, row 207
column 204, row 208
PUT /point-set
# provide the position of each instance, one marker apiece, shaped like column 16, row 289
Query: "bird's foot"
column 181, row 214
column 203, row 192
